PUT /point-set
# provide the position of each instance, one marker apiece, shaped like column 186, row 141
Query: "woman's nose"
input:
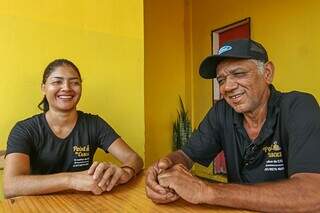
column 66, row 85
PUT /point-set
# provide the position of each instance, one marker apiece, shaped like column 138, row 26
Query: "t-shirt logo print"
column 273, row 151
column 275, row 161
column 276, row 146
column 82, row 153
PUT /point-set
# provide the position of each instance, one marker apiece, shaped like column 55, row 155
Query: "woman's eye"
column 75, row 83
column 56, row 82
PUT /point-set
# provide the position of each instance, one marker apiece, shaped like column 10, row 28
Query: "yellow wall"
column 177, row 38
column 288, row 29
column 105, row 40
column 138, row 95
column 165, row 65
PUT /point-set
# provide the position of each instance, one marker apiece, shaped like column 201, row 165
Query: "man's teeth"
column 236, row 96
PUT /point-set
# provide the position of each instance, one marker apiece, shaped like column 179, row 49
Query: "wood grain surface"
column 130, row 197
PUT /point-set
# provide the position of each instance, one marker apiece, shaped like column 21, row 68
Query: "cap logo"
column 224, row 49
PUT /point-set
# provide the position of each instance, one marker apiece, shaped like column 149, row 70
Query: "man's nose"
column 230, row 84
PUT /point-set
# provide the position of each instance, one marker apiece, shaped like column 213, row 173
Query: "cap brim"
column 208, row 67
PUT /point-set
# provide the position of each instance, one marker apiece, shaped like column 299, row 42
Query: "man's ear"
column 268, row 72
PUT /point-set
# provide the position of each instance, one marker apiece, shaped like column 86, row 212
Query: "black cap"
column 237, row 49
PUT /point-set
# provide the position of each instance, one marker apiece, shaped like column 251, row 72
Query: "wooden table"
column 130, row 197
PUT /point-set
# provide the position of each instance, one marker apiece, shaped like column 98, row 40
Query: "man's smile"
column 236, row 97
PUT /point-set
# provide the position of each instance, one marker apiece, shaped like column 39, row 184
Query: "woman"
column 53, row 151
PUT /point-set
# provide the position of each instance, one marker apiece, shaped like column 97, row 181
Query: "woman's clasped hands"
column 100, row 177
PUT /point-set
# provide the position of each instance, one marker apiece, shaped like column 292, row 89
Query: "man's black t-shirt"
column 288, row 143
column 50, row 154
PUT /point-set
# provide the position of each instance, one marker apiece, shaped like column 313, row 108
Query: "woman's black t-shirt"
column 50, row 154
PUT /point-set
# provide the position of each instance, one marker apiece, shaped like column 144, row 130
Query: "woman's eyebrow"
column 62, row 78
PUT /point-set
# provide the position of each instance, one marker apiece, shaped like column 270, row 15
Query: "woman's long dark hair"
column 44, row 105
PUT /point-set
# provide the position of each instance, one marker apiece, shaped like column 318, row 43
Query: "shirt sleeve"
column 204, row 143
column 106, row 135
column 304, row 135
column 19, row 140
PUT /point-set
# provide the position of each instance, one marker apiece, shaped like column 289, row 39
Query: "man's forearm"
column 36, row 184
column 297, row 194
column 179, row 157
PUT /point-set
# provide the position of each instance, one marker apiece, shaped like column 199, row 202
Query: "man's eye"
column 221, row 81
column 239, row 74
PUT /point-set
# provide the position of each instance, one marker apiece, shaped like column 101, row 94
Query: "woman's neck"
column 61, row 123
column 58, row 118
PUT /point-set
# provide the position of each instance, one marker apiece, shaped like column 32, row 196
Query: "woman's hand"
column 108, row 175
column 82, row 181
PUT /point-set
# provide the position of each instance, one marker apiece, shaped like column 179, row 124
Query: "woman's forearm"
column 36, row 184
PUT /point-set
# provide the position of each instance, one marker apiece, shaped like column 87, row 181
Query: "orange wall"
column 165, row 72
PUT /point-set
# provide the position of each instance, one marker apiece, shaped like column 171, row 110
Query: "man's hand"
column 108, row 175
column 154, row 191
column 82, row 181
column 179, row 179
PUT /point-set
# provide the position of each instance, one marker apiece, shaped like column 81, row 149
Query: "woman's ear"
column 268, row 72
column 43, row 89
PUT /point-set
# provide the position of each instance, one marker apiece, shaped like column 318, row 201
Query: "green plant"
column 181, row 128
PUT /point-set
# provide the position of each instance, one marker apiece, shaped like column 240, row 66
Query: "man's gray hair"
column 260, row 65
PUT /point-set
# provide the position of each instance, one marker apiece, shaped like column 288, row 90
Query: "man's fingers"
column 163, row 180
column 151, row 182
column 187, row 172
column 182, row 168
column 161, row 198
column 93, row 168
column 164, row 163
column 170, row 177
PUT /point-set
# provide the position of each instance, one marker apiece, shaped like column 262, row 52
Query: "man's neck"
column 253, row 121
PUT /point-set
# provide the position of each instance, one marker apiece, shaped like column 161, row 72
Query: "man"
column 271, row 141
